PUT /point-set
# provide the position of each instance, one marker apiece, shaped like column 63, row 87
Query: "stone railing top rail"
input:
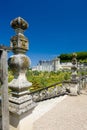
column 47, row 87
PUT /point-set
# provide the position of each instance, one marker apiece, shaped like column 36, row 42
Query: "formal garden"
column 44, row 79
column 41, row 79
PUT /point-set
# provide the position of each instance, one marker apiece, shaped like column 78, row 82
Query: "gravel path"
column 44, row 106
column 69, row 114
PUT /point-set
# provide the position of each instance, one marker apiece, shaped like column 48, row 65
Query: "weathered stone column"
column 20, row 103
column 74, row 86
column 74, row 67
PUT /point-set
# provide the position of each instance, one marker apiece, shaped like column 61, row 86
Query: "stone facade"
column 51, row 65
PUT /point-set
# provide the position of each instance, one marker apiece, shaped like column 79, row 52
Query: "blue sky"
column 55, row 26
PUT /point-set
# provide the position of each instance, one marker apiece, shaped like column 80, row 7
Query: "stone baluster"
column 20, row 102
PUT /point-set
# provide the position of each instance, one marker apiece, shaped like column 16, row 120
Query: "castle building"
column 48, row 65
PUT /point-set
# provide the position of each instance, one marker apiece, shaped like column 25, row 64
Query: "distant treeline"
column 81, row 57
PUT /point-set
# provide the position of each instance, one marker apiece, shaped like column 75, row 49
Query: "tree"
column 81, row 56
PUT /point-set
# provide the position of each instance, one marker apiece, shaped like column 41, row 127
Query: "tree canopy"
column 81, row 56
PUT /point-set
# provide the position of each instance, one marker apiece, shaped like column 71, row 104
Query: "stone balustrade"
column 48, row 92
column 59, row 89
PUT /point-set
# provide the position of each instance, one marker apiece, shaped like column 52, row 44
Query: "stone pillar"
column 20, row 103
column 74, row 67
column 4, row 104
column 74, row 86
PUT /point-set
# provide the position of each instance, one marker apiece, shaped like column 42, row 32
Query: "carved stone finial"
column 19, row 42
column 19, row 23
column 74, row 55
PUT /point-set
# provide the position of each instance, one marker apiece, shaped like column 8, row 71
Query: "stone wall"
column 66, row 87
